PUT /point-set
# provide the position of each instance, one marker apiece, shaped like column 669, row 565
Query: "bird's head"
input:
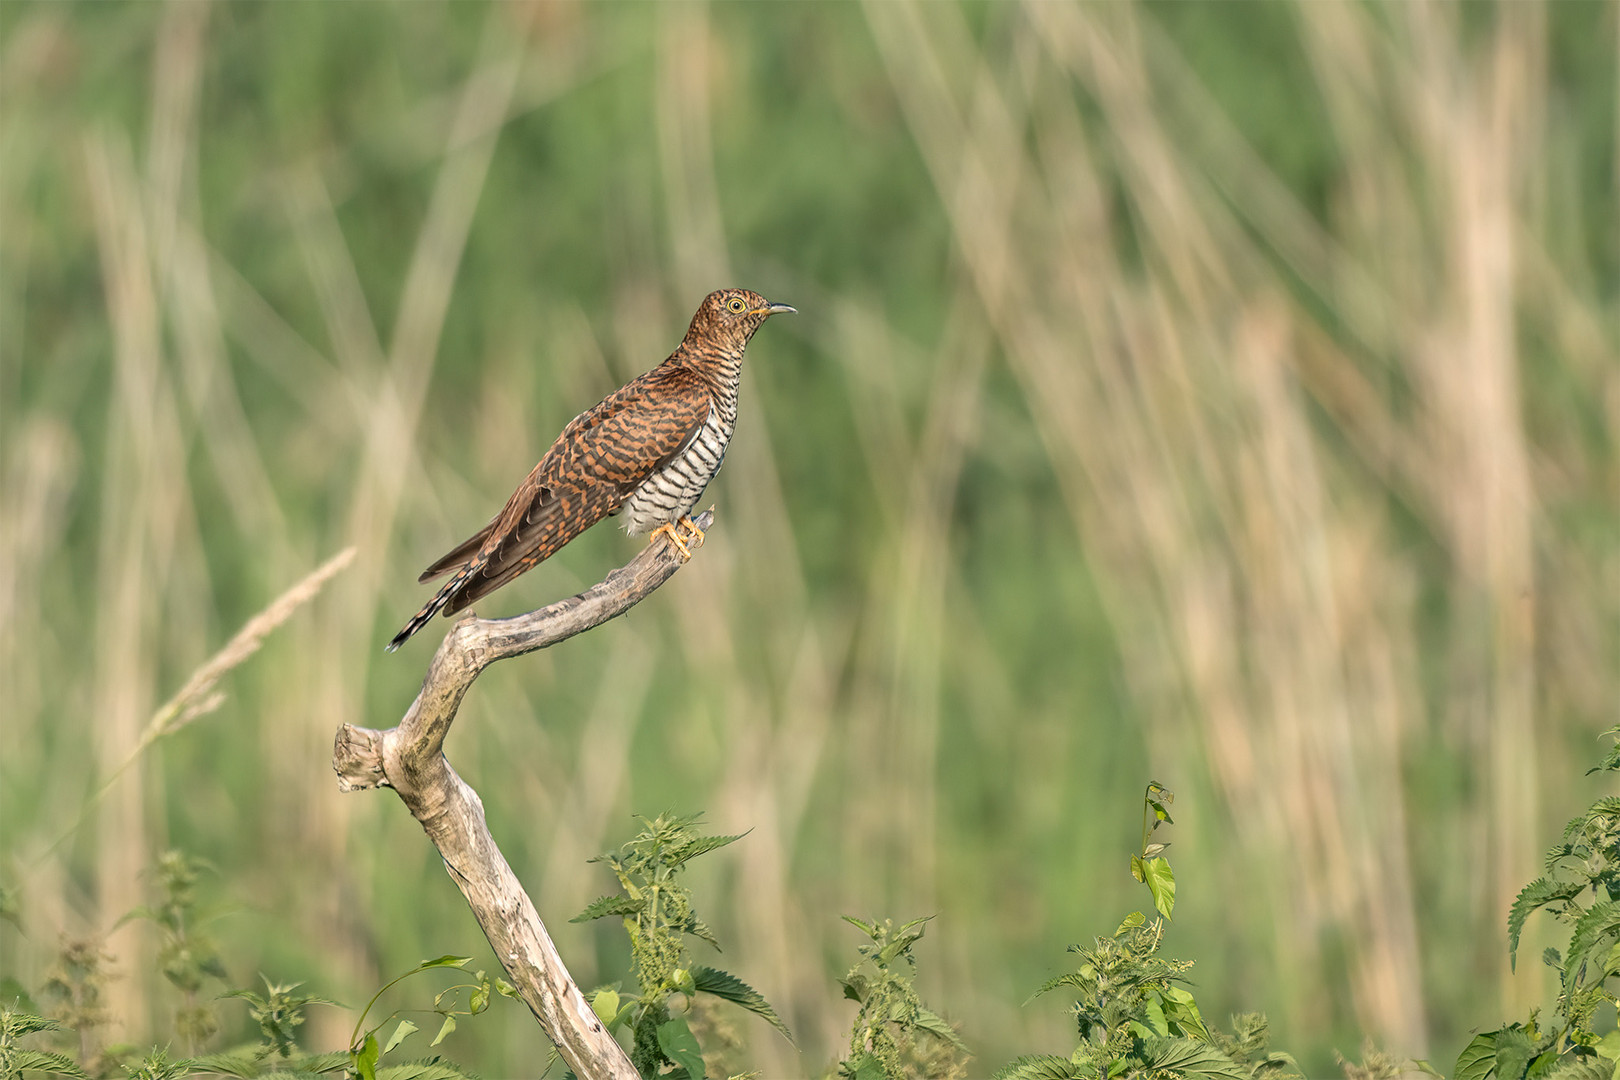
column 732, row 315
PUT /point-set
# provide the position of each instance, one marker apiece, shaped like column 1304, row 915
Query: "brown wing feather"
column 598, row 460
column 458, row 555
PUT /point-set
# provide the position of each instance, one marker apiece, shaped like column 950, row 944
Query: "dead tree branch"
column 410, row 759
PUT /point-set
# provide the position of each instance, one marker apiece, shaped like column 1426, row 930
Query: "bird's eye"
column 736, row 305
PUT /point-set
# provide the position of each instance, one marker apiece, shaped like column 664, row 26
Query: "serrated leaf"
column 678, row 1043
column 702, row 846
column 1192, row 1059
column 866, row 1067
column 1161, row 882
column 445, row 1029
column 1513, row 1052
column 870, row 929
column 400, row 1034
column 1068, row 978
column 47, row 1061
column 430, row 1069
column 855, row 986
column 19, row 1024
column 724, row 985
column 1539, row 893
column 610, row 905
column 1039, row 1067
column 1595, row 924
column 1581, row 1067
column 699, row 929
column 937, row 1025
column 243, row 1061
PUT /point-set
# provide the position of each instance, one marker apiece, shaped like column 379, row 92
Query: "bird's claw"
column 694, row 536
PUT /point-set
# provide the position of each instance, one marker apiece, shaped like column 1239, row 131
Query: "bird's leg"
column 668, row 530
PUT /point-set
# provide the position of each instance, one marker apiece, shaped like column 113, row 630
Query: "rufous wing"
column 600, row 458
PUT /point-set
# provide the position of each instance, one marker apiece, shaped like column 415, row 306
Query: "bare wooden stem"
column 410, row 759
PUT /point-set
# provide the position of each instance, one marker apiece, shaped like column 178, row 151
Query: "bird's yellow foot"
column 674, row 531
column 694, row 535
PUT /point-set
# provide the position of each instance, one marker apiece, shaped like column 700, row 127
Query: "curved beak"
column 776, row 309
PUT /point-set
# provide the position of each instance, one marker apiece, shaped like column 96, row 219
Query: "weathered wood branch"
column 410, row 759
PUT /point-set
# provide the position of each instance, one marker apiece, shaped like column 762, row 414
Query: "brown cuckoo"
column 645, row 452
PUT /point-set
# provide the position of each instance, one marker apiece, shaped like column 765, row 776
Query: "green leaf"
column 1039, row 1067
column 44, row 1061
column 610, row 905
column 870, row 929
column 605, row 1004
column 18, row 1024
column 855, row 986
column 1539, row 893
column 1138, row 871
column 721, row 984
column 702, row 846
column 1161, row 882
column 1592, row 931
column 1513, row 1052
column 1611, row 760
column 696, row 927
column 430, row 1069
column 1581, row 1067
column 935, row 1024
column 865, row 1067
column 444, row 961
column 1478, row 1059
column 1130, row 922
column 1192, row 1059
column 506, row 989
column 365, row 1061
column 678, row 1043
column 400, row 1034
column 445, row 1029
column 1181, row 1010
column 244, row 1062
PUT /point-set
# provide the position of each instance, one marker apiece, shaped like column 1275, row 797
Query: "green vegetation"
column 1135, row 1016
column 1217, row 392
column 657, row 913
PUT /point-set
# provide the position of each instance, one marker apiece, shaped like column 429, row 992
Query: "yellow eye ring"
column 736, row 305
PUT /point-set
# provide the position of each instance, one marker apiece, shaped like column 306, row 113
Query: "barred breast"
column 670, row 493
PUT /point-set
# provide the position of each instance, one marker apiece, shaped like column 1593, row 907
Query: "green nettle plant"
column 187, row 956
column 16, row 1025
column 1580, row 888
column 1132, row 1016
column 657, row 913
column 884, row 1039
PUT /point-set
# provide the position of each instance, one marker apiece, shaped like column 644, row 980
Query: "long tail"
column 433, row 607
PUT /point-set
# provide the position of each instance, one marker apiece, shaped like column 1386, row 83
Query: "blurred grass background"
column 1220, row 393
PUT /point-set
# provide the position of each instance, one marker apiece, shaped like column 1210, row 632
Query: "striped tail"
column 440, row 599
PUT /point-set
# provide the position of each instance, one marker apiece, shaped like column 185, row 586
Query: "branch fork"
column 410, row 759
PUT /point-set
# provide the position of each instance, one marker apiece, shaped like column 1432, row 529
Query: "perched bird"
column 647, row 451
